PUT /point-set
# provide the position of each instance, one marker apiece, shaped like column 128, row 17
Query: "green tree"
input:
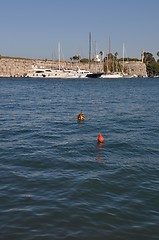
column 76, row 58
column 148, row 58
column 84, row 60
column 101, row 53
column 112, row 63
column 152, row 67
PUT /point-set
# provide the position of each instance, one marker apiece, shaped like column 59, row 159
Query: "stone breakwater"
column 19, row 67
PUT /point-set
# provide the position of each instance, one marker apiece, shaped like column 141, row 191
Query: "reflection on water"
column 100, row 150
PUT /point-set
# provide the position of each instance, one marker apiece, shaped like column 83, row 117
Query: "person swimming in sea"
column 81, row 116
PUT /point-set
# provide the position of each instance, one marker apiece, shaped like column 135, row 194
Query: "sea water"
column 57, row 181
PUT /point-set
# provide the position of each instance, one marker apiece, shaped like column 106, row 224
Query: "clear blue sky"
column 33, row 28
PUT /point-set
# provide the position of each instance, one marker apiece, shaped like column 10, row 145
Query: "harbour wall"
column 19, row 67
column 135, row 68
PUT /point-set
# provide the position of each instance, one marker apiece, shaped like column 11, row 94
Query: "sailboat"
column 114, row 74
column 92, row 75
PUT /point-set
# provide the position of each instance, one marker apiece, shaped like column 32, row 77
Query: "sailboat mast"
column 109, row 50
column 123, row 57
column 90, row 51
column 59, row 54
column 109, row 45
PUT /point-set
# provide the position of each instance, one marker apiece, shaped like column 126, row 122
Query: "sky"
column 34, row 28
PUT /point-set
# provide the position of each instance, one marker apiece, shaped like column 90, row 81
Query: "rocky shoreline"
column 19, row 67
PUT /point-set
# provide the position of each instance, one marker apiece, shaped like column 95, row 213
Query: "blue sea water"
column 56, row 181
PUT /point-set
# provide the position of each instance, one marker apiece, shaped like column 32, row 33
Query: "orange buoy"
column 100, row 138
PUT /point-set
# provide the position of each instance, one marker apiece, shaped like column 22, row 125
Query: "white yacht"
column 46, row 73
column 77, row 74
column 59, row 73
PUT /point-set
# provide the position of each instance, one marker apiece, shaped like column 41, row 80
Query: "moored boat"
column 77, row 74
column 113, row 75
column 57, row 73
column 94, row 75
column 46, row 73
